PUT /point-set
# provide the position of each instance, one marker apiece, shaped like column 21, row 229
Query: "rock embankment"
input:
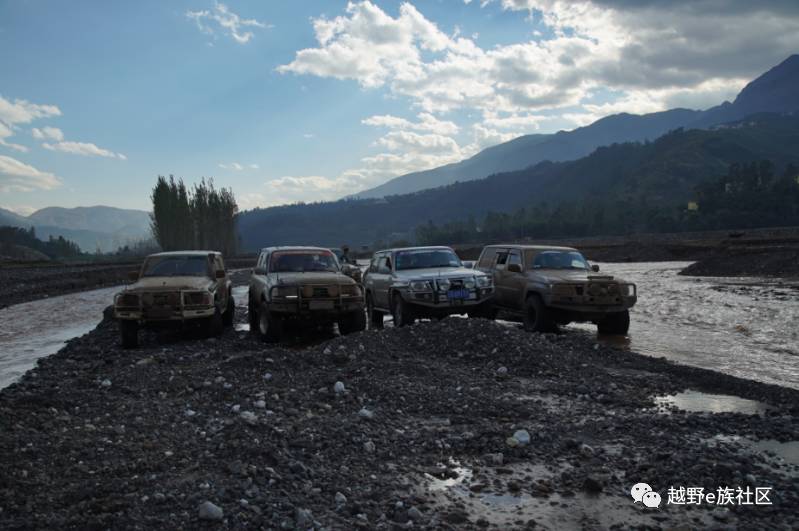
column 457, row 424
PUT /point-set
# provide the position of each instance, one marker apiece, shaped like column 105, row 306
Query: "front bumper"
column 440, row 301
column 592, row 309
column 316, row 308
column 145, row 315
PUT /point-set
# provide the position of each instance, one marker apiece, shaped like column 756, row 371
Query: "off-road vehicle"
column 548, row 286
column 176, row 288
column 302, row 284
column 423, row 282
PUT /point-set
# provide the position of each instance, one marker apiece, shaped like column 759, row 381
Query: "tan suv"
column 302, row 284
column 548, row 286
column 176, row 288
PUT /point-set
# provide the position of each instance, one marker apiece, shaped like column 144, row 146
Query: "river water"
column 744, row 327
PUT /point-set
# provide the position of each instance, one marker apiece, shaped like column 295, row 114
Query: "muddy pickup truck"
column 176, row 288
column 302, row 284
column 550, row 286
column 423, row 282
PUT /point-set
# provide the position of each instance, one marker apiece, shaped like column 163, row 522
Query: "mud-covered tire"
column 270, row 328
column 353, row 322
column 401, row 311
column 215, row 325
column 129, row 333
column 230, row 313
column 536, row 316
column 375, row 317
column 617, row 323
column 252, row 317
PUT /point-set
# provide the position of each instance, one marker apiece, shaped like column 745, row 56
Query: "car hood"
column 435, row 272
column 570, row 275
column 171, row 284
column 320, row 277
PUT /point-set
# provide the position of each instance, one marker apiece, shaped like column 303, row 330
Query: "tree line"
column 748, row 195
column 202, row 217
column 54, row 248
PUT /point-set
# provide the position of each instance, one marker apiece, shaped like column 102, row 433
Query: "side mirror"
column 514, row 268
column 133, row 276
column 595, row 268
column 220, row 273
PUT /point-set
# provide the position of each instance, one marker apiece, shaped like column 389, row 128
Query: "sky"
column 287, row 101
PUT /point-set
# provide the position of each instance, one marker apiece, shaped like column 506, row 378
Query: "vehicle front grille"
column 604, row 293
column 456, row 283
column 161, row 299
column 319, row 292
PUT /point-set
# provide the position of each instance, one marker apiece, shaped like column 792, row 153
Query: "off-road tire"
column 270, row 328
column 536, row 316
column 129, row 333
column 252, row 317
column 401, row 311
column 216, row 324
column 230, row 314
column 375, row 317
column 617, row 323
column 352, row 322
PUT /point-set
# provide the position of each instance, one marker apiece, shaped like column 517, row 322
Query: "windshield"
column 559, row 260
column 303, row 261
column 425, row 258
column 177, row 266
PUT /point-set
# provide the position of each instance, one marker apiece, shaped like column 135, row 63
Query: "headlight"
column 420, row 285
column 126, row 300
column 443, row 284
column 196, row 298
column 628, row 290
column 284, row 292
column 469, row 283
column 483, row 281
column 351, row 290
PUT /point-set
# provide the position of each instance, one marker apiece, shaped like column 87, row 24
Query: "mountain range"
column 774, row 91
column 92, row 228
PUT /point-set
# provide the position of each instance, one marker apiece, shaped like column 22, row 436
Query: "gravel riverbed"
column 384, row 429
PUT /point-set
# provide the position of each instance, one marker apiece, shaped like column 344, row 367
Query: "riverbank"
column 421, row 431
column 777, row 261
column 24, row 283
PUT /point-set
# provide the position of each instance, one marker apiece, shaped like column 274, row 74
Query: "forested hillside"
column 627, row 182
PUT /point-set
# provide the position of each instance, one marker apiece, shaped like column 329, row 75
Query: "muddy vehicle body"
column 416, row 282
column 174, row 289
column 304, row 285
column 550, row 286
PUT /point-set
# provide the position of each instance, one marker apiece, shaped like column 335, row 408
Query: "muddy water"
column 744, row 327
column 741, row 326
column 31, row 330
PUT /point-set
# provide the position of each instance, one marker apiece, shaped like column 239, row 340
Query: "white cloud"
column 20, row 112
column 306, row 189
column 48, row 133
column 16, row 176
column 638, row 56
column 236, row 166
column 86, row 149
column 22, row 210
column 222, row 18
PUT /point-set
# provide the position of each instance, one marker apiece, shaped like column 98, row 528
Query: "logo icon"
column 638, row 491
column 651, row 499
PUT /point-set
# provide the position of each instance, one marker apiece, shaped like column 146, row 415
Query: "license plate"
column 159, row 313
column 320, row 305
column 458, row 294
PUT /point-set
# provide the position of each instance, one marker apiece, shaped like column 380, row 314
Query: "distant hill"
column 97, row 227
column 663, row 173
column 774, row 91
column 12, row 219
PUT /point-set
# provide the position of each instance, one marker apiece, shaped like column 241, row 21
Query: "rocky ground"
column 20, row 283
column 457, row 424
column 782, row 262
